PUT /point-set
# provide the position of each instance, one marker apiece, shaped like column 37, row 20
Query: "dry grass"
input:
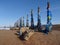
column 8, row 37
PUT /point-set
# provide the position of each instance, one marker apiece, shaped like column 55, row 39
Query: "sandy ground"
column 8, row 37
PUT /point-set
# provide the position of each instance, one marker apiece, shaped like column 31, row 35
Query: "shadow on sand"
column 20, row 37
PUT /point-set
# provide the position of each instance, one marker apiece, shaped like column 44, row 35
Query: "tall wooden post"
column 32, row 20
column 39, row 21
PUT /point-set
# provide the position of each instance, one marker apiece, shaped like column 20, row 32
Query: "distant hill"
column 55, row 27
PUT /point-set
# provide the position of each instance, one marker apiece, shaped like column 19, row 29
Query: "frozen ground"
column 9, row 37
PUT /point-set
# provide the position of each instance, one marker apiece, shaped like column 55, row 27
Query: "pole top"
column 48, row 5
column 38, row 9
column 31, row 11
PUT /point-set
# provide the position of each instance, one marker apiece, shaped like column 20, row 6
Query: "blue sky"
column 12, row 10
